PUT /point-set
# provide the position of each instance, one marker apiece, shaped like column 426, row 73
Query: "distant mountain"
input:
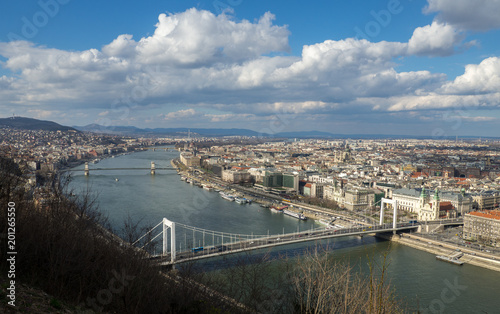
column 131, row 130
column 306, row 134
column 96, row 128
column 33, row 124
column 195, row 132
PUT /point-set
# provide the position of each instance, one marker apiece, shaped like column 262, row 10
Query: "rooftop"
column 492, row 214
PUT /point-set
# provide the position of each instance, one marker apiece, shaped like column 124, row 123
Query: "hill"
column 33, row 124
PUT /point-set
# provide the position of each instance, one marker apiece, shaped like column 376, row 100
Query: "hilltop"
column 33, row 124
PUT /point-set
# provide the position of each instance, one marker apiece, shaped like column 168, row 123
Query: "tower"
column 153, row 169
column 435, row 205
column 86, row 171
column 423, row 196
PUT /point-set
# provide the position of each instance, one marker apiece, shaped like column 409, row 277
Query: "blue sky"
column 415, row 67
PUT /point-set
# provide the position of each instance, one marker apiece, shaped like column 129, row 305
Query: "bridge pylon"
column 167, row 224
column 86, row 170
column 394, row 204
column 153, row 168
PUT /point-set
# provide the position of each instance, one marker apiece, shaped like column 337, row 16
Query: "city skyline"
column 424, row 68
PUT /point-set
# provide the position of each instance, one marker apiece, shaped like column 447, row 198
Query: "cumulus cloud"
column 437, row 39
column 181, row 114
column 197, row 37
column 477, row 79
column 479, row 15
column 200, row 60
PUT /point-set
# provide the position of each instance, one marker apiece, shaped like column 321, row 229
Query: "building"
column 317, row 190
column 483, row 227
column 413, row 200
column 235, row 176
column 436, row 209
column 335, row 192
column 486, row 200
column 272, row 179
column 357, row 198
column 189, row 159
column 291, row 181
column 351, row 198
column 342, row 156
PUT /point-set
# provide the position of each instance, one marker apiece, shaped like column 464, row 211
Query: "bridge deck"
column 106, row 169
column 277, row 240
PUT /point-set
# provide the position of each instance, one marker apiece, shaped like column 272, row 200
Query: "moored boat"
column 276, row 209
column 449, row 260
column 294, row 214
column 227, row 196
column 240, row 200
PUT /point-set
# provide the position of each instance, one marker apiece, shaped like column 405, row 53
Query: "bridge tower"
column 394, row 204
column 167, row 224
column 153, row 169
column 86, row 171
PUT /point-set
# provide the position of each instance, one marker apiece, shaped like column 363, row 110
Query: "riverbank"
column 267, row 199
column 471, row 256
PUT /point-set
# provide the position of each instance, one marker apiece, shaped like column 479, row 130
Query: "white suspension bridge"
column 182, row 243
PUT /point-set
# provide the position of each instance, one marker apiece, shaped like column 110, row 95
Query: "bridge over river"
column 86, row 170
column 208, row 243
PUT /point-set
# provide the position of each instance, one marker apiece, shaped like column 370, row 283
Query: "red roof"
column 491, row 214
column 445, row 206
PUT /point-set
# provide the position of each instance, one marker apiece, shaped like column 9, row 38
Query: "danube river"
column 435, row 286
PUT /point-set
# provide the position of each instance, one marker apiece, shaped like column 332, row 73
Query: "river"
column 437, row 287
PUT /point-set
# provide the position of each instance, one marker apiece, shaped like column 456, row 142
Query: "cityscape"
column 445, row 193
column 231, row 156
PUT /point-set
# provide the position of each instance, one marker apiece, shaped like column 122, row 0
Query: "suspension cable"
column 147, row 233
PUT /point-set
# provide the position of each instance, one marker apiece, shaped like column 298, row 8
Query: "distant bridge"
column 152, row 169
column 158, row 148
column 110, row 169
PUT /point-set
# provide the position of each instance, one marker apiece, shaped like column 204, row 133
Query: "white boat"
column 240, row 200
column 276, row 209
column 208, row 187
column 227, row 196
column 294, row 214
column 449, row 260
column 327, row 223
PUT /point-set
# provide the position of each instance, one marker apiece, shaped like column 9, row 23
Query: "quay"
column 441, row 248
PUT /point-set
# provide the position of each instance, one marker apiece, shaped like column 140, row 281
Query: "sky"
column 396, row 67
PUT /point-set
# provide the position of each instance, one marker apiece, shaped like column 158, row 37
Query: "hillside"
column 33, row 124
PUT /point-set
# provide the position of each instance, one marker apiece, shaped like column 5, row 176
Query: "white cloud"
column 200, row 60
column 480, row 15
column 122, row 47
column 230, row 117
column 181, row 114
column 440, row 101
column 42, row 114
column 437, row 39
column 478, row 119
column 477, row 79
column 195, row 38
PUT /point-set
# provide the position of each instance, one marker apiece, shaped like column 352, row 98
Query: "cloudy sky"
column 412, row 67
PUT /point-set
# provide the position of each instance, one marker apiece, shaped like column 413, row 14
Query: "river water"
column 425, row 283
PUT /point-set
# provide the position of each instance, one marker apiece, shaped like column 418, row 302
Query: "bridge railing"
column 278, row 239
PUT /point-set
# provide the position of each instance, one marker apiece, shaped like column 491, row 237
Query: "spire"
column 436, row 195
column 422, row 195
